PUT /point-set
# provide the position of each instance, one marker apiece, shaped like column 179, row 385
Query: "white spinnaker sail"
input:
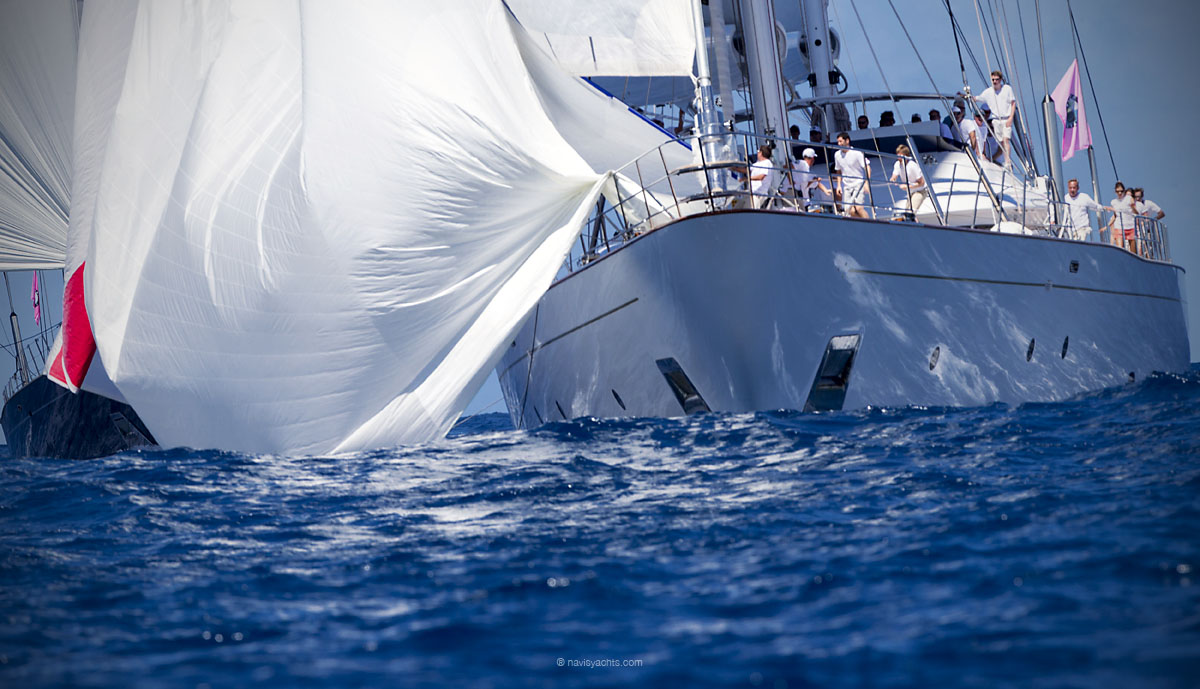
column 613, row 37
column 37, row 90
column 316, row 224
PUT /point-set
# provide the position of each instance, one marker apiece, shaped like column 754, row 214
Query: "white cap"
column 808, row 153
column 958, row 108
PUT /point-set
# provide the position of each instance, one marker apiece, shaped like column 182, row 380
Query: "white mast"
column 820, row 57
column 762, row 58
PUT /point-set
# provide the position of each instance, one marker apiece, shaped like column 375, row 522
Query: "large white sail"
column 315, row 225
column 37, row 90
column 615, row 37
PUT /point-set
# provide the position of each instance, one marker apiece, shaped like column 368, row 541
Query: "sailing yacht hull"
column 43, row 419
column 746, row 305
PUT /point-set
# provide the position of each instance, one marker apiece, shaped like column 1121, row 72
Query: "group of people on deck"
column 987, row 133
column 1129, row 208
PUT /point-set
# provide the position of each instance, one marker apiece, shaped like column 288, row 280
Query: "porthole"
column 1074, row 266
column 1066, row 342
column 1029, row 352
column 933, row 358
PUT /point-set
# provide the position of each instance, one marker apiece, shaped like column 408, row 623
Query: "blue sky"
column 1141, row 56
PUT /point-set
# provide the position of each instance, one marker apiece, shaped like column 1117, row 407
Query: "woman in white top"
column 908, row 173
column 1122, row 225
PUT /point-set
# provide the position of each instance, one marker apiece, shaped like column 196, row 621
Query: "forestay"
column 313, row 226
column 37, row 90
column 614, row 37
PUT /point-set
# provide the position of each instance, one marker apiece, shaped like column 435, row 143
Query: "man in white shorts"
column 855, row 172
column 1003, row 104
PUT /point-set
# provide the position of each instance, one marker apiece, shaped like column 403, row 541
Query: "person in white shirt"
column 965, row 129
column 762, row 177
column 808, row 182
column 989, row 148
column 1003, row 103
column 855, row 172
column 1079, row 205
column 1149, row 213
column 1122, row 225
column 908, row 173
column 1150, row 208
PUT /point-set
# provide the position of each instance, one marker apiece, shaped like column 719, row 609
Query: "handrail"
column 648, row 193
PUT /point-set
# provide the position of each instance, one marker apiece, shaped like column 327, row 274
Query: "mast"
column 708, row 125
column 762, row 58
column 1052, row 146
column 820, row 57
column 716, row 22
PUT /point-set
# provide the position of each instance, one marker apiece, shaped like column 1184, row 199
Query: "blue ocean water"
column 1046, row 545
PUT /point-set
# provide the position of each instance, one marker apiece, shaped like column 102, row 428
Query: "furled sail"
column 37, row 90
column 616, row 37
column 311, row 227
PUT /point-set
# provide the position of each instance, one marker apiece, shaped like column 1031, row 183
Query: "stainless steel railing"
column 650, row 192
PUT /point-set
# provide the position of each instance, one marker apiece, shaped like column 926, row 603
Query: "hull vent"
column 828, row 391
column 689, row 398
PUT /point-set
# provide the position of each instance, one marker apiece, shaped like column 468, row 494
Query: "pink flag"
column 37, row 300
column 1068, row 103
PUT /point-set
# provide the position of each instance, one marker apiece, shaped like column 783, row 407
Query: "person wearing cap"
column 964, row 130
column 934, row 115
column 806, row 181
column 989, row 148
column 1002, row 102
column 908, row 174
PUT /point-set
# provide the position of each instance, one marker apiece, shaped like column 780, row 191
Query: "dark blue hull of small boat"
column 43, row 419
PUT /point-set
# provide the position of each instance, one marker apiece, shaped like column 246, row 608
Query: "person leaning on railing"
column 1079, row 204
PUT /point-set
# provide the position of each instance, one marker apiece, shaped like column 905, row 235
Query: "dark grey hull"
column 43, row 419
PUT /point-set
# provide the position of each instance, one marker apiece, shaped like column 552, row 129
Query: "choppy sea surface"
column 1045, row 545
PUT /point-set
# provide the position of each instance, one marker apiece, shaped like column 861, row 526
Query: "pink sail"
column 1068, row 103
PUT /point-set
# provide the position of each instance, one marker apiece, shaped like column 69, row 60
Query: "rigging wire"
column 1092, row 86
column 854, row 72
column 1024, row 121
column 1028, row 64
column 983, row 39
column 957, row 48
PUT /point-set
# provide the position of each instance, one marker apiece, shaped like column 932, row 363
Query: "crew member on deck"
column 855, row 172
column 1122, row 225
column 1002, row 102
column 762, row 177
column 908, row 174
column 1080, row 204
